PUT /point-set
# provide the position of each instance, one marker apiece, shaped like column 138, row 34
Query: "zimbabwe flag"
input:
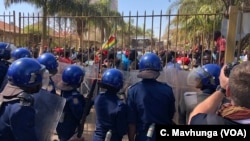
column 109, row 43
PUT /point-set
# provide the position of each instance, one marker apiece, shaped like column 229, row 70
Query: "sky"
column 124, row 6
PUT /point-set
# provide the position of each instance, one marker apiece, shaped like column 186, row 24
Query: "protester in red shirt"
column 66, row 58
column 220, row 46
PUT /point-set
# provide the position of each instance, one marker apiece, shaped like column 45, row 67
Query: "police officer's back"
column 72, row 78
column 17, row 114
column 149, row 101
column 111, row 111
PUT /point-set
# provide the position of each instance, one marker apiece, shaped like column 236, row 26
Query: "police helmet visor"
column 196, row 75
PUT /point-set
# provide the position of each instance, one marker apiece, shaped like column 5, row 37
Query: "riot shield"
column 162, row 77
column 58, row 76
column 49, row 108
column 177, row 79
column 91, row 73
column 170, row 76
column 129, row 78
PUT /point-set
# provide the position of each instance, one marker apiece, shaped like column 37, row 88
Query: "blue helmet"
column 173, row 65
column 20, row 53
column 73, row 75
column 208, row 75
column 5, row 51
column 150, row 61
column 112, row 77
column 49, row 61
column 26, row 72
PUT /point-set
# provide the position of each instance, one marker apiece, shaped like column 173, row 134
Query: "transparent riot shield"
column 177, row 79
column 162, row 77
column 91, row 73
column 129, row 78
column 49, row 108
column 58, row 76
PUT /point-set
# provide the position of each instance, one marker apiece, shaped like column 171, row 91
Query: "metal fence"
column 172, row 31
column 146, row 32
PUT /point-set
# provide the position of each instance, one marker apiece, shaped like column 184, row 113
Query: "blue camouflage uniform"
column 150, row 101
column 72, row 77
column 72, row 114
column 111, row 114
column 11, row 113
column 3, row 70
column 17, row 113
column 5, row 54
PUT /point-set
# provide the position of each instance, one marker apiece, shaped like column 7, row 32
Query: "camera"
column 229, row 67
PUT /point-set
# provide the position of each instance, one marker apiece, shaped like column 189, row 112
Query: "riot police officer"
column 20, row 53
column 149, row 101
column 72, row 77
column 17, row 114
column 205, row 78
column 17, row 53
column 5, row 51
column 51, row 64
column 111, row 112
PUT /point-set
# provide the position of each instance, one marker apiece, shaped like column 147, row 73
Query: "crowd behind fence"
column 25, row 31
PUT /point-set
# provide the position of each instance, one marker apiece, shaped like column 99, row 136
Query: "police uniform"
column 17, row 115
column 72, row 114
column 150, row 101
column 111, row 115
column 4, row 65
column 72, row 77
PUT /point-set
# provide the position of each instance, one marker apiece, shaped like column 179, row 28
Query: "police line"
column 173, row 77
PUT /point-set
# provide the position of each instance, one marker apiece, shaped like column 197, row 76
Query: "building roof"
column 8, row 27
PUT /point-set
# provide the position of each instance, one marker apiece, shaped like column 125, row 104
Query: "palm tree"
column 86, row 15
column 39, row 4
column 197, row 27
column 81, row 9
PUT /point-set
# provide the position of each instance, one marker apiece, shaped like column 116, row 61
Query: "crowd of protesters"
column 222, row 99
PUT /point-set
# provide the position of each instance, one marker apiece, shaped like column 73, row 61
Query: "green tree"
column 86, row 15
column 81, row 9
column 39, row 4
column 197, row 21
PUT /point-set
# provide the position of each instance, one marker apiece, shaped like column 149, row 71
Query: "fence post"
column 14, row 28
column 231, row 34
column 19, row 29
